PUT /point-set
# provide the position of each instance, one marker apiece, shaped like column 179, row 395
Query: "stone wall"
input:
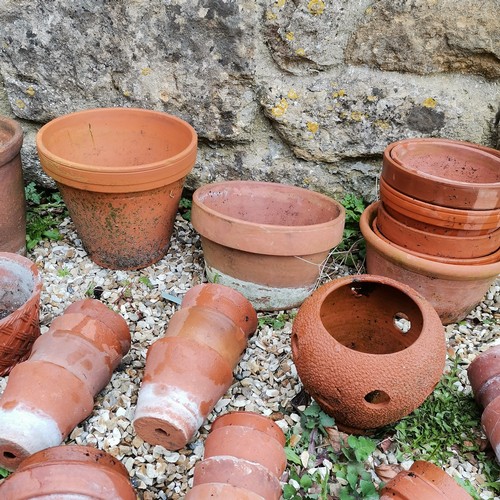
column 307, row 92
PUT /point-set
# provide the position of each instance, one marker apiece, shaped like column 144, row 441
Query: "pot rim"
column 10, row 148
column 263, row 238
column 455, row 272
column 104, row 178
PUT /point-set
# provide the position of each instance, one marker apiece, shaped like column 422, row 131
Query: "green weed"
column 185, row 208
column 4, row 473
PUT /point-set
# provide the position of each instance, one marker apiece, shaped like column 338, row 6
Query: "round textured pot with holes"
column 69, row 472
column 20, row 288
column 374, row 365
column 266, row 240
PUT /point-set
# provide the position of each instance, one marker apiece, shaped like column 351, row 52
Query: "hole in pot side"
column 402, row 322
column 9, row 455
column 377, row 398
column 361, row 316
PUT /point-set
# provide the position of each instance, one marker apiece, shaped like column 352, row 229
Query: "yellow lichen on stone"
column 292, row 94
column 300, row 52
column 357, row 116
column 369, row 11
column 371, row 98
column 280, row 108
column 339, row 93
column 146, row 71
column 20, row 104
column 429, row 103
column 316, row 7
column 280, row 3
column 270, row 15
column 30, row 91
column 382, row 124
column 312, row 127
column 290, row 36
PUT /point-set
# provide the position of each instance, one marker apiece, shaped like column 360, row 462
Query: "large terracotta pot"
column 121, row 173
column 21, row 285
column 426, row 481
column 191, row 368
column 376, row 364
column 444, row 172
column 430, row 243
column 208, row 491
column 482, row 221
column 484, row 377
column 266, row 240
column 453, row 290
column 12, row 198
column 69, row 472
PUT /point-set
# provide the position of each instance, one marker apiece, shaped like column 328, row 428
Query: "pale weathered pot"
column 121, row 173
column 444, row 172
column 221, row 490
column 376, row 364
column 240, row 473
column 20, row 285
column 266, row 240
column 440, row 245
column 424, row 481
column 69, row 472
column 41, row 405
column 453, row 290
column 12, row 198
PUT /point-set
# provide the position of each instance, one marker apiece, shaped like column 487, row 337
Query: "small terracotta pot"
column 240, row 473
column 266, row 240
column 120, row 172
column 423, row 481
column 12, row 197
column 453, row 290
column 473, row 261
column 391, row 344
column 208, row 491
column 69, row 472
column 251, row 420
column 439, row 245
column 182, row 382
column 21, row 285
column 40, row 406
column 485, row 221
column 490, row 422
column 445, row 172
column 484, row 376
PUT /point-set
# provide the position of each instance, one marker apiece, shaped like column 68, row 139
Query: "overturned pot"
column 391, row 344
column 266, row 240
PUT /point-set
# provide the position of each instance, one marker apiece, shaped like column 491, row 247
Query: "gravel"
column 265, row 380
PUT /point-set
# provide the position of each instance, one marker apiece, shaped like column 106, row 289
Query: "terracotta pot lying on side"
column 392, row 338
column 191, row 368
column 50, row 393
column 12, row 197
column 423, row 481
column 484, row 377
column 69, row 472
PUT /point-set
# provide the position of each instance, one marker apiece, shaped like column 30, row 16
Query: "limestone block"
column 429, row 36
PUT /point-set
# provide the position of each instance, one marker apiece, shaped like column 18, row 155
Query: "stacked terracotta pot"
column 191, row 368
column 484, row 377
column 50, row 393
column 439, row 217
column 244, row 459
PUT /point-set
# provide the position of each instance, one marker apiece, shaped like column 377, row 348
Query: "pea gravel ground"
column 264, row 381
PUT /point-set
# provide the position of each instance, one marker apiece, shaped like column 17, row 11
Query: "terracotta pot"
column 423, row 481
column 248, row 444
column 440, row 245
column 266, row 240
column 240, row 473
column 484, row 376
column 485, row 221
column 453, row 290
column 391, row 344
column 251, row 420
column 40, row 406
column 445, row 172
column 477, row 261
column 221, row 490
column 12, row 198
column 19, row 308
column 182, row 382
column 69, row 472
column 121, row 173
column 490, row 422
